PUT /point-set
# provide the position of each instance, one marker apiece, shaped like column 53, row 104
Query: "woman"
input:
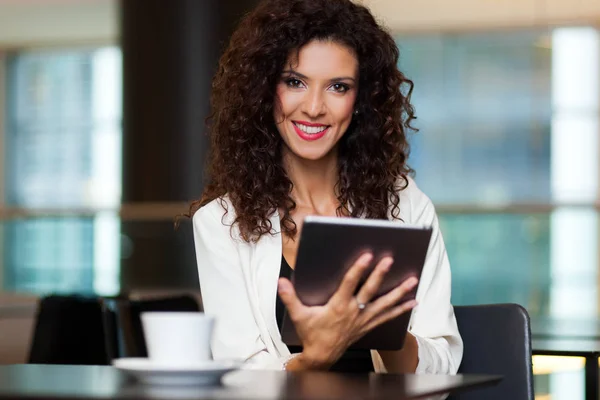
column 310, row 116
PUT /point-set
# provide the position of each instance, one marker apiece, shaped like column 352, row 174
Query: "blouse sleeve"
column 433, row 323
column 224, row 292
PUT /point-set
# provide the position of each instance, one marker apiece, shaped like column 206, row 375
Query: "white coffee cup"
column 178, row 338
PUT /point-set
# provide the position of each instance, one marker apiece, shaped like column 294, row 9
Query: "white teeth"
column 311, row 130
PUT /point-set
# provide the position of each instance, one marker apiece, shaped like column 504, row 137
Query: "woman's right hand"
column 327, row 331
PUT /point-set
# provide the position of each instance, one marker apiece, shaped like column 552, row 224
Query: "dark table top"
column 101, row 382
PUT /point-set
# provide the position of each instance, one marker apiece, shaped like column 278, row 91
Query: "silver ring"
column 361, row 306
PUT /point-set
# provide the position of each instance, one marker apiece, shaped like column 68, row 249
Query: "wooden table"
column 574, row 347
column 102, row 382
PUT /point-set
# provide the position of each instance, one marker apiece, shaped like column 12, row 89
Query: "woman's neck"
column 314, row 181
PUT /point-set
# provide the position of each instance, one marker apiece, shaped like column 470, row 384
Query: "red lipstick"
column 310, row 136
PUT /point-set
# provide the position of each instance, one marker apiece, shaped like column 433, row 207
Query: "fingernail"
column 412, row 283
column 282, row 286
column 387, row 265
column 412, row 303
column 367, row 257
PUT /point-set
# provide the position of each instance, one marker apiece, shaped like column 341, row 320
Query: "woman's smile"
column 310, row 131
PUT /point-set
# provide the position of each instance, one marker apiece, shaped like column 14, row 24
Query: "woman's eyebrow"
column 292, row 72
column 299, row 75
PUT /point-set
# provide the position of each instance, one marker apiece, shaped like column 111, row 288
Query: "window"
column 508, row 152
column 63, row 163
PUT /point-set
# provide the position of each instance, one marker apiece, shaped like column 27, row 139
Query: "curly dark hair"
column 246, row 148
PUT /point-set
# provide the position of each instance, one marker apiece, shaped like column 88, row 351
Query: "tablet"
column 329, row 246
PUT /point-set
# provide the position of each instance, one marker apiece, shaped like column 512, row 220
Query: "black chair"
column 124, row 336
column 497, row 341
column 68, row 330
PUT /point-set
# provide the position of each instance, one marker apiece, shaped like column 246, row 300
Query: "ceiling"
column 43, row 22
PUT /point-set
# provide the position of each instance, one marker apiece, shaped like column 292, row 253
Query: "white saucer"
column 151, row 372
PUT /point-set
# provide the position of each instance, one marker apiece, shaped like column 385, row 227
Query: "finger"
column 348, row 286
column 392, row 298
column 371, row 286
column 290, row 299
column 391, row 314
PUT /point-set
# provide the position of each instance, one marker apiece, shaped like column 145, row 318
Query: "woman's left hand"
column 327, row 331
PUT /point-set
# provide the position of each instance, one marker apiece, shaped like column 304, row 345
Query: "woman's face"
column 316, row 96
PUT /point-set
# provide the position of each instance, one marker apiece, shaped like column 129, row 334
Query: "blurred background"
column 102, row 104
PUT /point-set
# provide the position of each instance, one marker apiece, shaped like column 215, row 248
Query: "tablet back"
column 328, row 246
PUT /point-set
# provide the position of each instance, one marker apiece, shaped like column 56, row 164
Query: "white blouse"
column 238, row 282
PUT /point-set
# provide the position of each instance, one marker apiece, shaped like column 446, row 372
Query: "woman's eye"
column 340, row 87
column 293, row 83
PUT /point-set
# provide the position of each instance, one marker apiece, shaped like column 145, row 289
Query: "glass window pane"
column 49, row 255
column 499, row 258
column 483, row 103
column 529, row 259
column 64, row 153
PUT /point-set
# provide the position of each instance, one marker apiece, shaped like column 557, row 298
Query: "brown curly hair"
column 246, row 148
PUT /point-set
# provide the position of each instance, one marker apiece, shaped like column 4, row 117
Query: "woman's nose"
column 314, row 105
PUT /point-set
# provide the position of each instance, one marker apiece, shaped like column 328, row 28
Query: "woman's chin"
column 310, row 151
column 313, row 155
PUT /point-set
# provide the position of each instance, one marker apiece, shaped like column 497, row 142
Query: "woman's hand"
column 327, row 331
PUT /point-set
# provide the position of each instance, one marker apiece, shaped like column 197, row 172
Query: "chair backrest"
column 68, row 330
column 497, row 340
column 123, row 326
